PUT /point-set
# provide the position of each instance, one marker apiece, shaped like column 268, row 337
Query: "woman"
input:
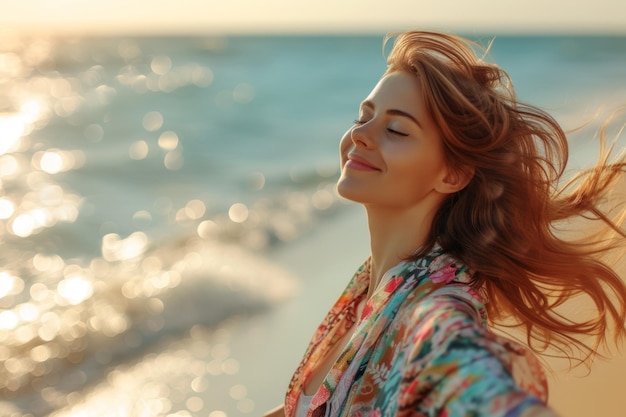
column 460, row 184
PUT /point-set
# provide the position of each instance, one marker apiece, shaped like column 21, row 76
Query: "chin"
column 349, row 191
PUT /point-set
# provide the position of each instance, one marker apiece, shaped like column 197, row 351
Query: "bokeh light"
column 104, row 257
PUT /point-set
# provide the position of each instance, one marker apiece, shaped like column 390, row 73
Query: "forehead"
column 398, row 88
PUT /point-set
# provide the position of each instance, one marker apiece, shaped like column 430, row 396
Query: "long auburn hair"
column 505, row 223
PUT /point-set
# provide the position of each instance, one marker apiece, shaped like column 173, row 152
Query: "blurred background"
column 170, row 233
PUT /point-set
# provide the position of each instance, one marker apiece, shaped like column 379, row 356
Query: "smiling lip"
column 360, row 164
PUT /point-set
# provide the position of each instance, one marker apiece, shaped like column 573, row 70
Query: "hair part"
column 505, row 223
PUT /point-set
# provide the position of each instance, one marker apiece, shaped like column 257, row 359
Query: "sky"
column 260, row 16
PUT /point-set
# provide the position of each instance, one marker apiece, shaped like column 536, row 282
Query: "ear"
column 454, row 180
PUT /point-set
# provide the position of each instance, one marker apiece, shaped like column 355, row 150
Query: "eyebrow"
column 394, row 112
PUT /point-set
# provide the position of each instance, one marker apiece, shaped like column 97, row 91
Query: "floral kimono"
column 421, row 348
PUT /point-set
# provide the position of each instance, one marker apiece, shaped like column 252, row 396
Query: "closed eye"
column 395, row 132
column 390, row 130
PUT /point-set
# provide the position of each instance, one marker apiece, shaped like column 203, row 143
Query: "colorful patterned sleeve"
column 457, row 368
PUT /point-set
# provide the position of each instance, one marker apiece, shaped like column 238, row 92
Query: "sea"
column 145, row 183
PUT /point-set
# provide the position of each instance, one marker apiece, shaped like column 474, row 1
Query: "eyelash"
column 394, row 132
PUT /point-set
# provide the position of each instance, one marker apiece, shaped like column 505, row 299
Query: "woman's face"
column 392, row 156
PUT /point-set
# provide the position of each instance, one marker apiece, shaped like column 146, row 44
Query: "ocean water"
column 144, row 181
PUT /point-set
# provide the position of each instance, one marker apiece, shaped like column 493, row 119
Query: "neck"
column 395, row 236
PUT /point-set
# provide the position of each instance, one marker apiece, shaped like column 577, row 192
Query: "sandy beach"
column 270, row 347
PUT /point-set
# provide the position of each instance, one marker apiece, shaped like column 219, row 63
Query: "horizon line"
column 307, row 30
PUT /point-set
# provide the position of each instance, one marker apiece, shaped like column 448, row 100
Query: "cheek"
column 414, row 170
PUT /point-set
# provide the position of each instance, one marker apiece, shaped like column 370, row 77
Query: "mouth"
column 359, row 163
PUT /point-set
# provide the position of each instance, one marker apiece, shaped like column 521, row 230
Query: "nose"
column 361, row 135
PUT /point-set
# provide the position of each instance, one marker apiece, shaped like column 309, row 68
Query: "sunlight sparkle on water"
column 207, row 229
column 12, row 128
column 173, row 160
column 28, row 312
column 168, row 141
column 116, row 249
column 53, row 161
column 238, row 212
column 158, row 385
column 138, row 150
column 75, row 289
column 8, row 320
column 9, row 166
column 193, row 210
column 15, row 125
column 161, row 64
column 7, row 283
column 23, row 225
column 33, row 221
column 6, row 208
column 49, row 263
